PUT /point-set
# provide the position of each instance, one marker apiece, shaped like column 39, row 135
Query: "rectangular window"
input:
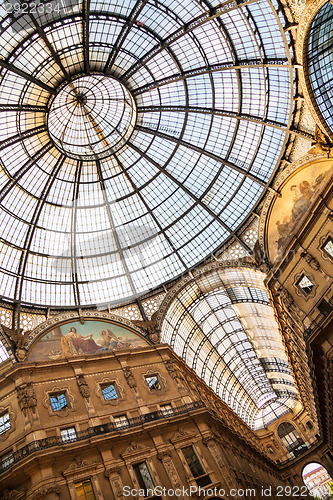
column 145, row 480
column 153, row 383
column 197, row 471
column 305, row 284
column 84, row 490
column 68, row 435
column 58, row 401
column 121, row 422
column 325, row 307
column 6, row 460
column 109, row 391
column 328, row 247
column 166, row 410
column 4, row 422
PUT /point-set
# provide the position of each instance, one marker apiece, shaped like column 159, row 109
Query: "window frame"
column 69, row 440
column 62, row 408
column 105, row 385
column 9, row 455
column 158, row 381
column 301, row 292
column 6, row 429
column 201, row 479
column 328, row 238
column 141, row 482
column 118, row 425
column 81, row 481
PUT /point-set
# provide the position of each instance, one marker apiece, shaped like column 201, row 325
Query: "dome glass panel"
column 320, row 61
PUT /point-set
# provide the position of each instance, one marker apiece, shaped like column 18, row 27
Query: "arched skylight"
column 320, row 61
column 106, row 201
column 223, row 326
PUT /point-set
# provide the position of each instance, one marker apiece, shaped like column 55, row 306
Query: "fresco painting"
column 289, row 210
column 75, row 339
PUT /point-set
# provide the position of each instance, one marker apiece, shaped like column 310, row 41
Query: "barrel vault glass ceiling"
column 224, row 327
column 135, row 138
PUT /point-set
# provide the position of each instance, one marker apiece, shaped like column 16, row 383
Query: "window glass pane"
column 305, row 284
column 154, row 383
column 328, row 247
column 4, row 423
column 58, row 401
column 193, row 461
column 3, row 352
column 121, row 421
column 6, row 460
column 84, row 490
column 68, row 434
column 166, row 410
column 144, row 477
column 109, row 391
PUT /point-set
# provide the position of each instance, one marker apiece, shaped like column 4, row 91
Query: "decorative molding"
column 119, row 388
column 114, row 470
column 69, row 397
column 130, row 379
column 310, row 260
column 83, row 386
column 46, row 490
column 13, row 495
column 150, row 327
column 175, row 372
column 79, row 465
column 182, row 435
column 135, row 449
column 26, row 397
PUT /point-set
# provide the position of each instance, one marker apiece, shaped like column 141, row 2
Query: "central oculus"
column 91, row 117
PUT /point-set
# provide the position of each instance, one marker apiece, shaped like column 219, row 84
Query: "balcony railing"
column 10, row 459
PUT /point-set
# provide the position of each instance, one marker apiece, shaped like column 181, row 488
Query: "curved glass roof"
column 320, row 61
column 224, row 327
column 108, row 199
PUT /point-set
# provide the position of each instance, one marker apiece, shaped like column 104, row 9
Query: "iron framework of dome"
column 223, row 326
column 320, row 62
column 141, row 175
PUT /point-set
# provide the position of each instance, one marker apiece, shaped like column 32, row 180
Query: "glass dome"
column 135, row 138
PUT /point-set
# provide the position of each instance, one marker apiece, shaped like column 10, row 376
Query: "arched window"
column 317, row 480
column 291, row 439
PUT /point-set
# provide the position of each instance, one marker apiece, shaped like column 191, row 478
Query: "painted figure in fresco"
column 73, row 344
column 110, row 340
column 303, row 196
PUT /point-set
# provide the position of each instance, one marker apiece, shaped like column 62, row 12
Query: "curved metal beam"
column 201, row 151
column 189, row 193
column 26, row 76
column 139, row 5
column 185, row 29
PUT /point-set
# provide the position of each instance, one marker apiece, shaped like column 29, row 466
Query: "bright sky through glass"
column 98, row 221
column 223, row 326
